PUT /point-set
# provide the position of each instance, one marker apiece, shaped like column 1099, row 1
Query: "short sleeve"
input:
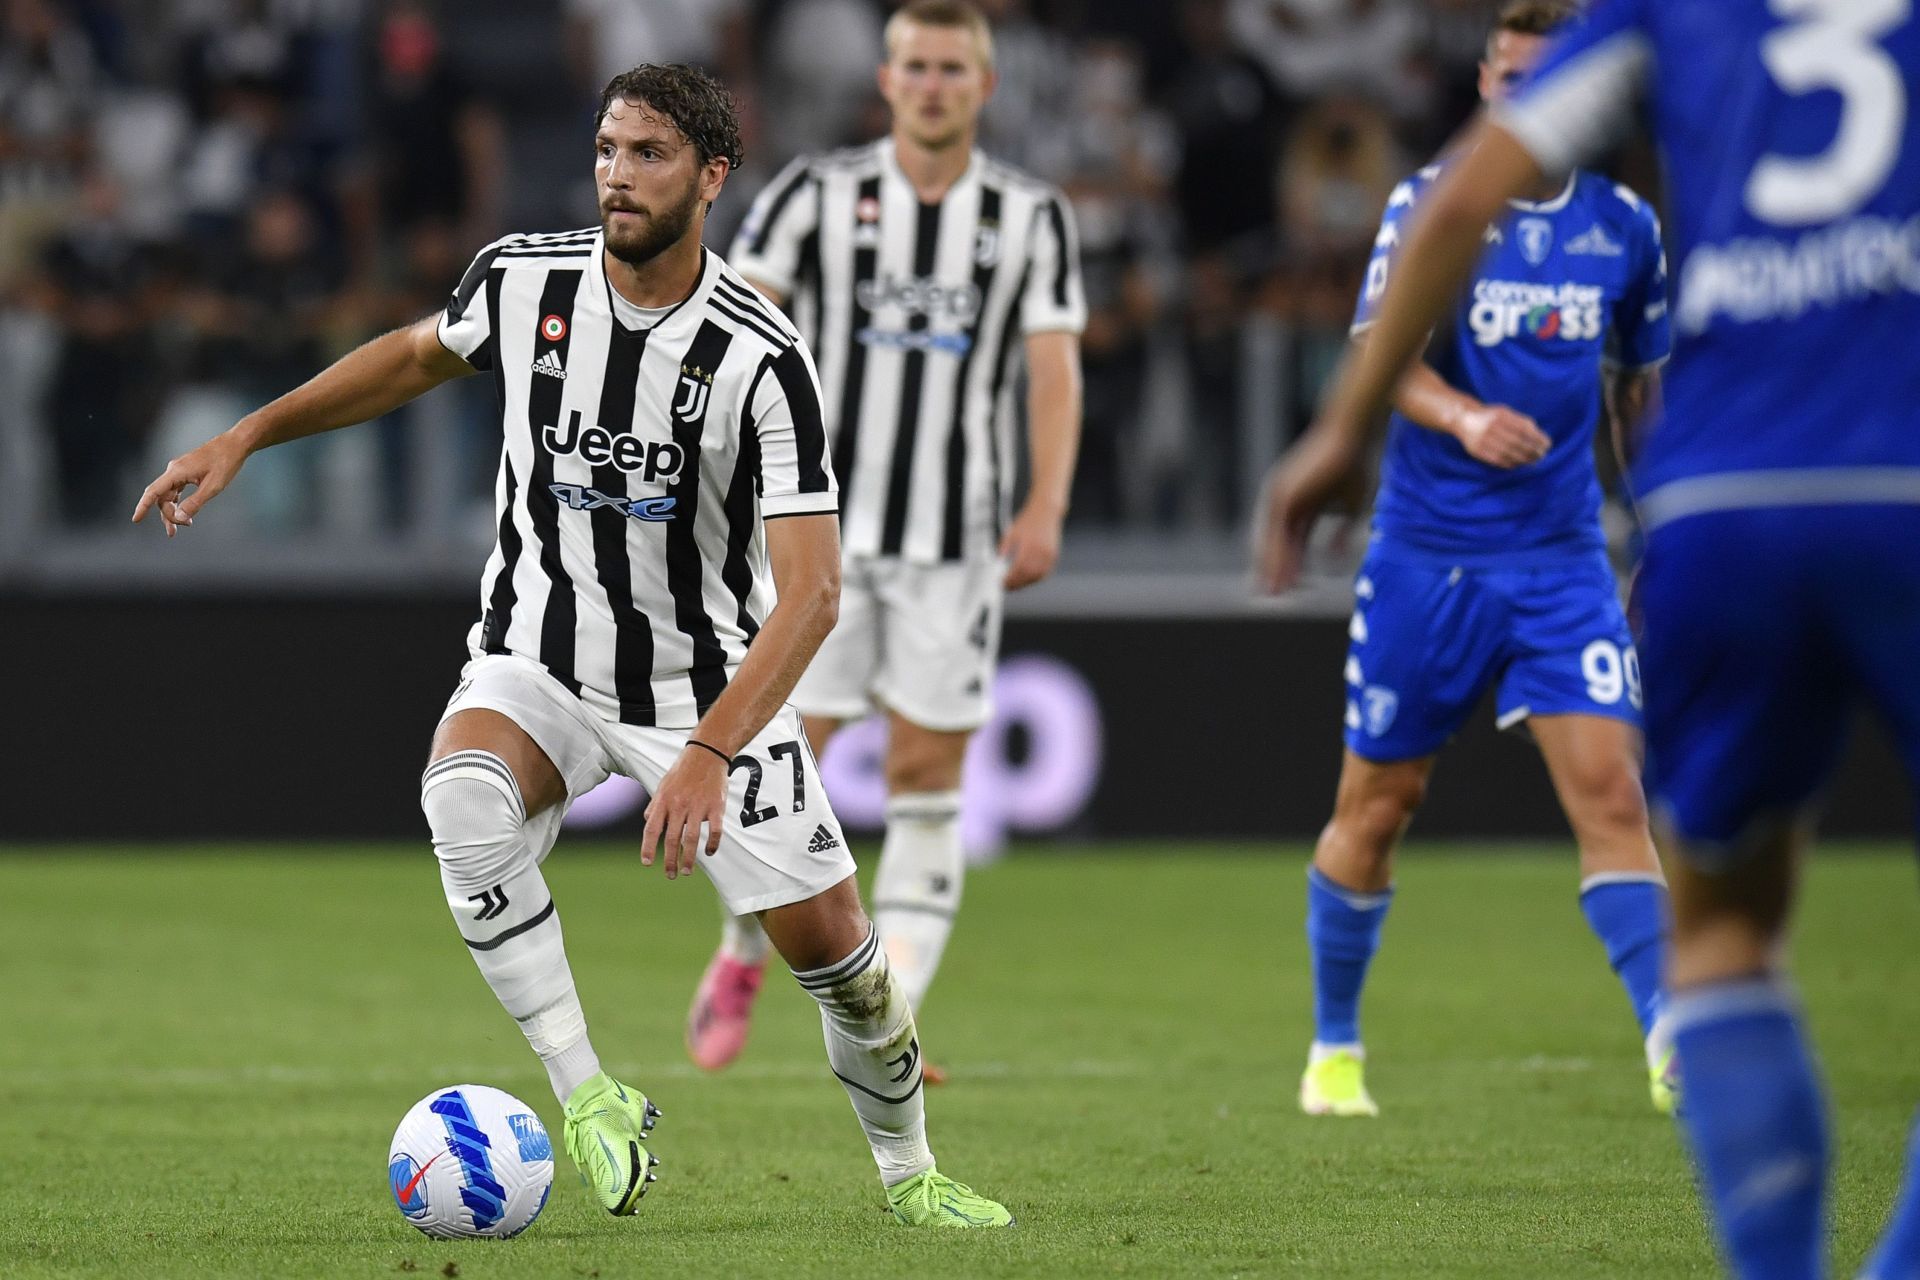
column 1386, row 248
column 783, row 414
column 1643, row 329
column 1055, row 298
column 1581, row 97
column 767, row 250
column 466, row 326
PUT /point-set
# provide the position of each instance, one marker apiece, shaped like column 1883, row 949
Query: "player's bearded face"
column 640, row 229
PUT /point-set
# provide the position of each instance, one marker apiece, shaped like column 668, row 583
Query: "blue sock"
column 1343, row 931
column 1629, row 916
column 1757, row 1124
column 1898, row 1257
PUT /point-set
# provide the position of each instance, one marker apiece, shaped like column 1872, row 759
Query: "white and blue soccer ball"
column 470, row 1161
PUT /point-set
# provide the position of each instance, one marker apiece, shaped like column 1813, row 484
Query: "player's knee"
column 913, row 769
column 1609, row 797
column 474, row 811
column 1373, row 815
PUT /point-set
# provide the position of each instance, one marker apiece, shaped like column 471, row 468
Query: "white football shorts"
column 919, row 639
column 781, row 842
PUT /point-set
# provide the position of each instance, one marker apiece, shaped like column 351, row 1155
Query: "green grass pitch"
column 203, row 1056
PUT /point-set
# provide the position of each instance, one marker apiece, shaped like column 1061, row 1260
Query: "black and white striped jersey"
column 637, row 469
column 913, row 311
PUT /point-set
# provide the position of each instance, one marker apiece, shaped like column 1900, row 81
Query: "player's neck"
column 931, row 172
column 668, row 277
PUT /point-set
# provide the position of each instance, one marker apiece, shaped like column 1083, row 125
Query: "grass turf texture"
column 205, row 1056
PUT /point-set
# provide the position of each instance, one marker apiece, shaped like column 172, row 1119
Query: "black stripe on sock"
column 907, row 1096
column 480, row 760
column 815, row 979
column 539, row 917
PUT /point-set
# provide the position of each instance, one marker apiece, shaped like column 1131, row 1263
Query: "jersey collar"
column 684, row 316
column 890, row 158
column 1554, row 205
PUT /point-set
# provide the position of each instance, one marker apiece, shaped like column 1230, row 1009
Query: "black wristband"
column 695, row 742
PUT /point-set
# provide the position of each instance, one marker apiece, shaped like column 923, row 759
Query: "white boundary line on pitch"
column 477, row 1073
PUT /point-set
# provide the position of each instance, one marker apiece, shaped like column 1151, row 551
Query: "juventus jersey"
column 914, row 310
column 637, row 469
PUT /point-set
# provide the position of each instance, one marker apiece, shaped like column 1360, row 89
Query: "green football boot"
column 1336, row 1086
column 606, row 1123
column 1665, row 1084
column 932, row 1199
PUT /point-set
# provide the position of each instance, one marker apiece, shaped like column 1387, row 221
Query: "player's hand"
column 1031, row 547
column 1502, row 437
column 1326, row 463
column 693, row 792
column 207, row 470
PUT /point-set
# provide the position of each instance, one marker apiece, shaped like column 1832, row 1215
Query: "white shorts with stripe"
column 781, row 843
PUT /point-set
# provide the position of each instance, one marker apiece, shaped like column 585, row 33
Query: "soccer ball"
column 470, row 1161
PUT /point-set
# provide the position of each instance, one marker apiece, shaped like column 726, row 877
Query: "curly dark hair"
column 699, row 105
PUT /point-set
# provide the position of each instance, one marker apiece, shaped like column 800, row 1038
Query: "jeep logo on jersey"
column 1504, row 309
column 920, row 296
column 1536, row 239
column 653, row 459
column 691, row 400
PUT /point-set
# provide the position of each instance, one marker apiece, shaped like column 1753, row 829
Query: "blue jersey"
column 1793, row 155
column 1562, row 286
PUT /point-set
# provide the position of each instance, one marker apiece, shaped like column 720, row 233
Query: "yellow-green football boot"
column 1664, row 1083
column 1334, row 1084
column 606, row 1123
column 932, row 1199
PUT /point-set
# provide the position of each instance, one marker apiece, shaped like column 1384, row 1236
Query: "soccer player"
column 1780, row 491
column 920, row 271
column 1488, row 567
column 665, row 474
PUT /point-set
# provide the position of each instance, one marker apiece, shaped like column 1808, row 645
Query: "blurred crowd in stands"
column 204, row 201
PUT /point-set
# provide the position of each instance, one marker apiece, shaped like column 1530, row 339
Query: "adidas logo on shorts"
column 823, row 840
column 550, row 365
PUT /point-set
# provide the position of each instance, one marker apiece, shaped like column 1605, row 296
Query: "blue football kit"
column 1781, row 495
column 1477, row 575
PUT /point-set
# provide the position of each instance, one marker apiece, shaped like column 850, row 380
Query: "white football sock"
column 874, row 1050
column 503, row 909
column 742, row 938
column 916, row 892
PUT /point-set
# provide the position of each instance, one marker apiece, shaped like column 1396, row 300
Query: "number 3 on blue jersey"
column 1834, row 44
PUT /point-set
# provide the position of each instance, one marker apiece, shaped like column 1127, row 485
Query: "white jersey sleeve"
column 783, row 417
column 767, row 250
column 466, row 326
column 1055, row 299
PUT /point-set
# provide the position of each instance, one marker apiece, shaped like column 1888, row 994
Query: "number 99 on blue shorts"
column 1428, row 638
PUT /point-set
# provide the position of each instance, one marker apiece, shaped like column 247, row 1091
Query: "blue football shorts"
column 1427, row 638
column 1762, row 632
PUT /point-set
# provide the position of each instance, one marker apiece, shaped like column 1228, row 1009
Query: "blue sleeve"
column 1386, row 247
column 1581, row 97
column 1643, row 330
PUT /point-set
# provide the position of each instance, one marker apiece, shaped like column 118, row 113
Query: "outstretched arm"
column 804, row 554
column 372, row 380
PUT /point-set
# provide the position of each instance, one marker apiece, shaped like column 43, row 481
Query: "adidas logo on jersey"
column 1596, row 243
column 823, row 840
column 550, row 365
